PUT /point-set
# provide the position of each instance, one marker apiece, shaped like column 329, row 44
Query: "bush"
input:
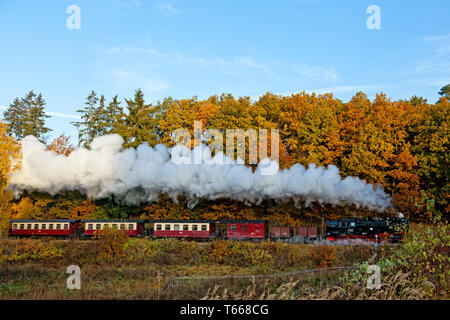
column 422, row 263
column 426, row 256
column 323, row 256
column 26, row 251
column 112, row 243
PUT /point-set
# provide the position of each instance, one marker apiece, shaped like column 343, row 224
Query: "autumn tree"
column 181, row 114
column 61, row 145
column 309, row 126
column 10, row 156
column 401, row 179
column 6, row 212
column 430, row 136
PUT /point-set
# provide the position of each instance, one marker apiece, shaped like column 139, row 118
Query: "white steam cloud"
column 143, row 174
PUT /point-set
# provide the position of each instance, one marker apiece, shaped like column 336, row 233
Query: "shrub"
column 426, row 255
column 112, row 243
column 323, row 256
column 421, row 267
column 25, row 251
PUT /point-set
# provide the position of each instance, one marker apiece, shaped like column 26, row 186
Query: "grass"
column 121, row 268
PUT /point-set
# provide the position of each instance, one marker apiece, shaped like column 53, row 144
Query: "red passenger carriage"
column 133, row 228
column 195, row 229
column 54, row 228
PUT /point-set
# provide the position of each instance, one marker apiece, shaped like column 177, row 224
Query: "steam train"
column 389, row 230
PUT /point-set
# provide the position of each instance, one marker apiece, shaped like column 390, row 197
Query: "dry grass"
column 143, row 269
column 397, row 287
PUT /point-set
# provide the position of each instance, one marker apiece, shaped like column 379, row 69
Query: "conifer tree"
column 140, row 123
column 93, row 120
column 26, row 116
column 114, row 118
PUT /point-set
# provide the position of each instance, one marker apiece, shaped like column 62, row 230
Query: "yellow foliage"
column 112, row 243
column 10, row 156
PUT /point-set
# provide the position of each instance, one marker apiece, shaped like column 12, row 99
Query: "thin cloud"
column 168, row 7
column 438, row 37
column 319, row 73
column 438, row 63
column 347, row 88
column 63, row 115
column 131, row 79
column 234, row 65
column 55, row 114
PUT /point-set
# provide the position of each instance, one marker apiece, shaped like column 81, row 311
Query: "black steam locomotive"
column 374, row 230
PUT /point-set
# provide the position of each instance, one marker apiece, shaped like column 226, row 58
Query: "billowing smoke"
column 143, row 174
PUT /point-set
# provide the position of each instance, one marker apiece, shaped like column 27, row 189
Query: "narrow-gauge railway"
column 390, row 230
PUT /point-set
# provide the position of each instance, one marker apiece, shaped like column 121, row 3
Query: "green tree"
column 26, row 116
column 93, row 120
column 141, row 123
column 417, row 101
column 114, row 117
column 445, row 92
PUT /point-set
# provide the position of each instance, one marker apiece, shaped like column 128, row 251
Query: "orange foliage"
column 85, row 210
column 323, row 256
column 61, row 145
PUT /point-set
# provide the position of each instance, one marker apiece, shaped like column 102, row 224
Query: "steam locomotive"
column 348, row 229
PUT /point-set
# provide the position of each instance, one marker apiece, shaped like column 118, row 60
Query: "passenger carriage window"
column 176, row 227
column 185, row 227
column 22, row 226
column 50, row 226
column 194, row 227
column 58, row 226
column 66, row 226
column 98, row 227
column 158, row 227
column 131, row 227
column 204, row 227
column 114, row 226
column 14, row 226
column 29, row 226
column 90, row 227
column 122, row 226
column 167, row 227
column 44, row 226
column 36, row 226
column 233, row 227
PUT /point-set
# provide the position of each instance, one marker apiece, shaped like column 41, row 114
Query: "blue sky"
column 182, row 48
